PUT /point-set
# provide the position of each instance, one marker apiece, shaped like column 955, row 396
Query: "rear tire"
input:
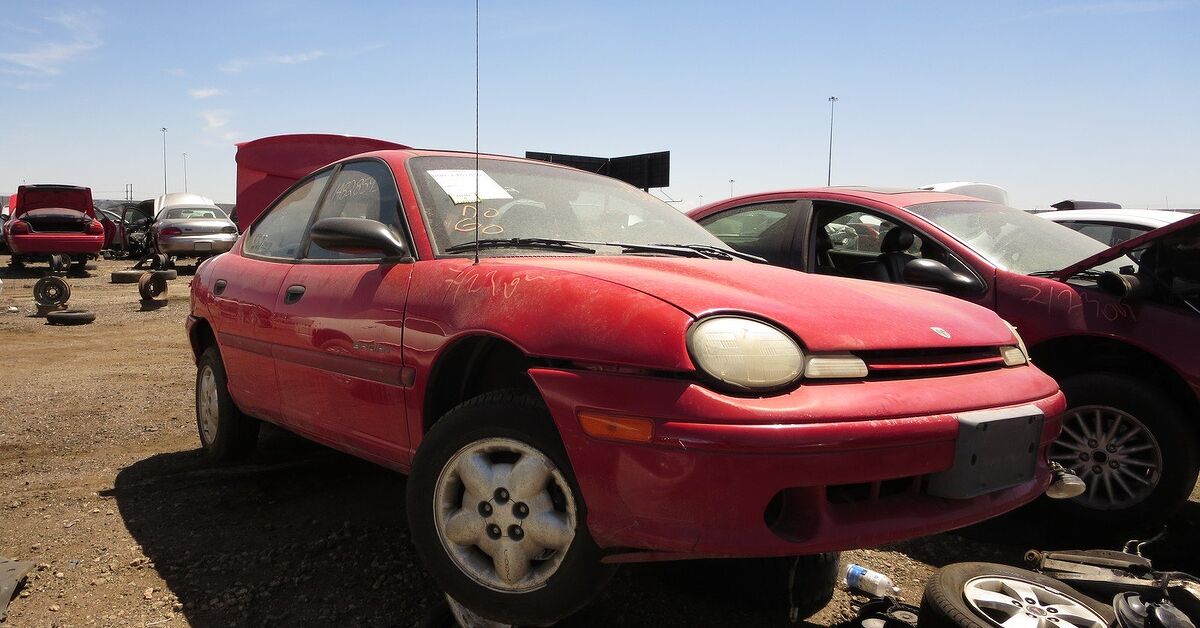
column 526, row 578
column 226, row 434
column 982, row 595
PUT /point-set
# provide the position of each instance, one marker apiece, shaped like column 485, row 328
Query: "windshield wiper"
column 719, row 252
column 702, row 251
column 519, row 243
column 1089, row 273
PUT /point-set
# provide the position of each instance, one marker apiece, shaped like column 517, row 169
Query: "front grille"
column 909, row 363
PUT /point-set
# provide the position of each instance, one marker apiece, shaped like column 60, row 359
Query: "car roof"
column 897, row 197
column 1153, row 218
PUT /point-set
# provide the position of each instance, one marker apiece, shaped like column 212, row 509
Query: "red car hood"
column 826, row 313
column 1131, row 244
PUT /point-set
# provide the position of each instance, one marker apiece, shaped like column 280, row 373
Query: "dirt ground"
column 102, row 485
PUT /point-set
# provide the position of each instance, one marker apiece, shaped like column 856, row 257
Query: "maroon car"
column 1121, row 336
column 55, row 223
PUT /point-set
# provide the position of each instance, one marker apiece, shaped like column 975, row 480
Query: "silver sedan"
column 193, row 232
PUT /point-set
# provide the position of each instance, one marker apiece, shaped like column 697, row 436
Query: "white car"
column 1113, row 226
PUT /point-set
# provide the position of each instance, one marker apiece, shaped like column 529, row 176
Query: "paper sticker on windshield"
column 460, row 185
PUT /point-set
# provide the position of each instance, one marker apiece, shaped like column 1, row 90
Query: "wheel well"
column 201, row 337
column 470, row 367
column 1063, row 357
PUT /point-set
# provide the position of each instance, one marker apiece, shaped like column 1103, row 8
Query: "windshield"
column 175, row 213
column 531, row 200
column 1013, row 239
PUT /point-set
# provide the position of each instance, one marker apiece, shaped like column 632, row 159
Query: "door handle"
column 293, row 294
column 219, row 287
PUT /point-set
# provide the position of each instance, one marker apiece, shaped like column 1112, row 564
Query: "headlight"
column 745, row 353
column 1015, row 356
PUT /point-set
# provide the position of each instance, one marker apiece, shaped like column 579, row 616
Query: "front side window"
column 519, row 199
column 362, row 189
column 763, row 229
column 280, row 233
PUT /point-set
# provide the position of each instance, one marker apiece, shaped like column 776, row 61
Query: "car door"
column 340, row 362
column 246, row 288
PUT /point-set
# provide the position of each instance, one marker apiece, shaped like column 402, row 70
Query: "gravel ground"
column 102, row 485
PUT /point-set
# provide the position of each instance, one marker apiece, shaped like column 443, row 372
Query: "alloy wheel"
column 208, row 405
column 1114, row 453
column 1015, row 603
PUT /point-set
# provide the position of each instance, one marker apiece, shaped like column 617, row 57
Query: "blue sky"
column 1051, row 100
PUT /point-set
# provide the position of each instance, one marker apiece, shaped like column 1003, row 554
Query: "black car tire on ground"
column 160, row 261
column 167, row 274
column 51, row 291
column 944, row 604
column 70, row 317
column 579, row 575
column 227, row 435
column 1177, row 442
column 152, row 286
column 127, row 276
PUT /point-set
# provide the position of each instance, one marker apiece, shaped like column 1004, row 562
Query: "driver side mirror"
column 359, row 236
column 930, row 273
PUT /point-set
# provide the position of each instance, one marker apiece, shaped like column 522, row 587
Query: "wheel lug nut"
column 493, row 531
column 501, row 495
column 1093, row 443
column 515, row 532
column 1054, row 619
column 1030, row 600
column 1114, row 464
column 1095, row 469
column 485, row 509
column 520, row 510
column 1112, row 449
column 1051, row 609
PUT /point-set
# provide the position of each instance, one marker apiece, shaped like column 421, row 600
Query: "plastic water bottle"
column 871, row 583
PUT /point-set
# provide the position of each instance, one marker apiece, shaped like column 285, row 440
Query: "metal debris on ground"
column 12, row 574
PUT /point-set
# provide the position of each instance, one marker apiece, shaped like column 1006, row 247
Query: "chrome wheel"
column 505, row 514
column 208, row 405
column 1113, row 452
column 1013, row 603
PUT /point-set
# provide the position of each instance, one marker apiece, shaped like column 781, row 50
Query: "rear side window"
column 281, row 231
column 1111, row 235
column 362, row 189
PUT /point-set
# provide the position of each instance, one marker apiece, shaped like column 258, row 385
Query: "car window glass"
column 360, row 190
column 863, row 232
column 281, row 231
column 1111, row 235
column 763, row 229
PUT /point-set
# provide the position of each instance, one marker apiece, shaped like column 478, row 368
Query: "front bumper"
column 196, row 245
column 826, row 467
column 48, row 243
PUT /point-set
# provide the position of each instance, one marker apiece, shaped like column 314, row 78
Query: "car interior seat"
column 822, row 246
column 889, row 265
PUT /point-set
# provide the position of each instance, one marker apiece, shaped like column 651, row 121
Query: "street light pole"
column 164, row 133
column 829, row 170
column 185, row 172
column 731, row 188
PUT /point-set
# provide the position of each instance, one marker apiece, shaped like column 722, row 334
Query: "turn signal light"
column 615, row 427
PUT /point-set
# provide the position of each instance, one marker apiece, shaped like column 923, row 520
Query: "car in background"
column 1128, row 360
column 596, row 379
column 1113, row 225
column 54, row 223
column 190, row 226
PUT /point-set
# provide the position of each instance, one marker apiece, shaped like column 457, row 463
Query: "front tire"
column 496, row 515
column 987, row 595
column 226, row 434
column 1132, row 445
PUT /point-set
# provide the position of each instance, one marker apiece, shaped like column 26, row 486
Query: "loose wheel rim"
column 504, row 514
column 51, row 291
column 1113, row 452
column 1017, row 603
column 207, row 404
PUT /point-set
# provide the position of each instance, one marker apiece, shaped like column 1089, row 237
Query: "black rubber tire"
column 152, row 286
column 944, row 606
column 17, row 262
column 237, row 433
column 167, row 274
column 59, row 263
column 70, row 317
column 580, row 575
column 126, row 276
column 51, row 290
column 160, row 261
column 1177, row 440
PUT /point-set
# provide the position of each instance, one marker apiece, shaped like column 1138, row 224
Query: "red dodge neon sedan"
column 1118, row 327
column 606, row 383
column 55, row 223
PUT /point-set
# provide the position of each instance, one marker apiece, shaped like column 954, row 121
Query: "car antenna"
column 477, row 199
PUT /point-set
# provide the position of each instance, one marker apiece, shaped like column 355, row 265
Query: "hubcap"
column 1110, row 450
column 505, row 514
column 207, row 405
column 1013, row 603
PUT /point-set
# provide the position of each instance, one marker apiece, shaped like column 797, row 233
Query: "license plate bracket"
column 994, row 450
column 202, row 246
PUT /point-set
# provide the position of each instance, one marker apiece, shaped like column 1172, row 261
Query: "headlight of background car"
column 1015, row 356
column 745, row 353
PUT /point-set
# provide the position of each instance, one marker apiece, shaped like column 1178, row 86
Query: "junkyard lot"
column 102, row 484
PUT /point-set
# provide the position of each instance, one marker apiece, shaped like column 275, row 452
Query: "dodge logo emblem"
column 941, row 332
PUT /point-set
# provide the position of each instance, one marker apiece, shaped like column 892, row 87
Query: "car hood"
column 826, row 313
column 1132, row 244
